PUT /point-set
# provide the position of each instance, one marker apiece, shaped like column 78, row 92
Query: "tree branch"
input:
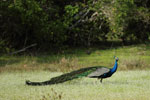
column 24, row 49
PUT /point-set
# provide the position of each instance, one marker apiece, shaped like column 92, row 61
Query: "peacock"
column 99, row 72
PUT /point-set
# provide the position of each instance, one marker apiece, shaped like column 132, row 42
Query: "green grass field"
column 123, row 85
column 130, row 82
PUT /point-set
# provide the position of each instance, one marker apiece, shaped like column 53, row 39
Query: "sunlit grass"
column 123, row 85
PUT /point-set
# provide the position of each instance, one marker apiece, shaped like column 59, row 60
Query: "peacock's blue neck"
column 112, row 70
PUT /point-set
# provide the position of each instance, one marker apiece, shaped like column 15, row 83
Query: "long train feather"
column 66, row 77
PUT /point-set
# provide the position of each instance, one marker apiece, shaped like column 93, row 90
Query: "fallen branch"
column 24, row 49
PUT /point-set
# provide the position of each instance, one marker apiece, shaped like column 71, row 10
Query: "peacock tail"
column 83, row 72
column 73, row 75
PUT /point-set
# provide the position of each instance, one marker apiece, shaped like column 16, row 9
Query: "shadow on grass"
column 117, row 82
column 94, row 82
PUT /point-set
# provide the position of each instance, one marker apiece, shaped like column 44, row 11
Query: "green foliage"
column 3, row 47
column 130, row 22
column 57, row 24
column 88, row 24
column 123, row 11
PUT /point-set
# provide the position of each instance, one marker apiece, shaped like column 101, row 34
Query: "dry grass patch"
column 133, row 63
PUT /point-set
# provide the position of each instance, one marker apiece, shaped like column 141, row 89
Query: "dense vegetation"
column 61, row 23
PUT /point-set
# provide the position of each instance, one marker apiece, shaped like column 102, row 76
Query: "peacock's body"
column 91, row 72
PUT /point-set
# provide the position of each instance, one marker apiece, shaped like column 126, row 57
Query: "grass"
column 130, row 82
column 123, row 85
column 131, row 57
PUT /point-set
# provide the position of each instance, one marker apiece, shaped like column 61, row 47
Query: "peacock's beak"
column 117, row 59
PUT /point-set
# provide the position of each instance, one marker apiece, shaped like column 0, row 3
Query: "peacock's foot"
column 101, row 80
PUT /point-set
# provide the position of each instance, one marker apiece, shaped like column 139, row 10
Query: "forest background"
column 59, row 24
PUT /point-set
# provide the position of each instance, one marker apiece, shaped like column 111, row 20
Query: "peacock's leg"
column 101, row 80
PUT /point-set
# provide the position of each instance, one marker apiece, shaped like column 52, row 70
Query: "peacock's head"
column 116, row 58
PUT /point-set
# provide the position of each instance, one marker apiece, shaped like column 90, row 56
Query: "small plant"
column 52, row 96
